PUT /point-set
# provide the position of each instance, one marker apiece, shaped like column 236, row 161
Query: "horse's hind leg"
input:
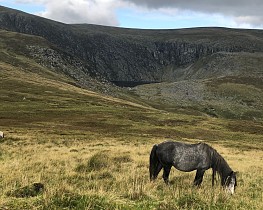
column 157, row 170
column 166, row 172
column 199, row 177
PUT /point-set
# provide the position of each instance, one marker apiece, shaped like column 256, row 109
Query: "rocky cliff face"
column 135, row 55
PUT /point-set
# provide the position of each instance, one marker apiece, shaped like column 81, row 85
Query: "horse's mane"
column 219, row 165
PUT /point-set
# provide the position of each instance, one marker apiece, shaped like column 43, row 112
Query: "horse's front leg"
column 213, row 177
column 166, row 172
column 199, row 177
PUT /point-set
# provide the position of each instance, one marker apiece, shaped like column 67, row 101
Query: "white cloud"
column 228, row 13
column 78, row 11
column 241, row 12
column 249, row 21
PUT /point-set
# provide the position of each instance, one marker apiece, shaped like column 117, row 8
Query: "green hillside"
column 226, row 97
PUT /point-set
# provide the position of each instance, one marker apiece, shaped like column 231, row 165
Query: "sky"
column 148, row 14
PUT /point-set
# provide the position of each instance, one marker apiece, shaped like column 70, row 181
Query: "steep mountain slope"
column 216, row 71
column 37, row 55
column 143, row 55
column 36, row 96
column 16, row 48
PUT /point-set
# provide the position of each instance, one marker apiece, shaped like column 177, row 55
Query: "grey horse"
column 190, row 157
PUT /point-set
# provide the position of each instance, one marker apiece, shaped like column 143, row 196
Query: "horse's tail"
column 153, row 163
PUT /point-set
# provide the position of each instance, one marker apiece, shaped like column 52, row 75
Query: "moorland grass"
column 111, row 174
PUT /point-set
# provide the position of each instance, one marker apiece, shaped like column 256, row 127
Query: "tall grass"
column 114, row 175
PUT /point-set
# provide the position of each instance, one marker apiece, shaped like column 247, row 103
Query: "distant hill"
column 216, row 71
column 132, row 55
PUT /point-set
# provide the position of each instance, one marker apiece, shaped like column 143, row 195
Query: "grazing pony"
column 190, row 157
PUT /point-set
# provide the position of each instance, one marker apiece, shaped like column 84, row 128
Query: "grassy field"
column 91, row 151
column 106, row 173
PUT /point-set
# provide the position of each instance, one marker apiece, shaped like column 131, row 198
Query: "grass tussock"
column 97, row 162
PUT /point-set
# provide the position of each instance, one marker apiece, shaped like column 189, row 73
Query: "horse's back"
column 168, row 150
column 180, row 145
column 184, row 157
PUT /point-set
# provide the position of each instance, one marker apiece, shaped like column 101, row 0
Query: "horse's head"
column 231, row 182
